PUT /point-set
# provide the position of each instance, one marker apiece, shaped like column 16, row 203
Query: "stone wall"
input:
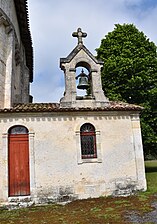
column 57, row 171
column 84, row 59
column 14, row 75
column 3, row 44
column 8, row 8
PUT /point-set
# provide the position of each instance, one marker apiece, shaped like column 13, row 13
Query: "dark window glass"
column 88, row 141
column 18, row 130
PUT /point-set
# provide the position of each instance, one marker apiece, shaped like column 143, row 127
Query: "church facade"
column 84, row 146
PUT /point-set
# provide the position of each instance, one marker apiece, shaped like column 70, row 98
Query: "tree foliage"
column 130, row 74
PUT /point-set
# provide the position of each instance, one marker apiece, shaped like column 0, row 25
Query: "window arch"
column 18, row 129
column 88, row 141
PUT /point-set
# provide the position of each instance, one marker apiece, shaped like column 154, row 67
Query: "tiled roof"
column 22, row 15
column 55, row 107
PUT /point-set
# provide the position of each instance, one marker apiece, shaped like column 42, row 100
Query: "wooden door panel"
column 19, row 180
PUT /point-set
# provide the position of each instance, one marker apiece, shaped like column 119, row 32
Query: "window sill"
column 95, row 160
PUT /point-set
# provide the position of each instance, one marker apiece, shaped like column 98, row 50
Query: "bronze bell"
column 83, row 80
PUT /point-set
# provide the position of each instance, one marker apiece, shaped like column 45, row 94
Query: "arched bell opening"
column 83, row 85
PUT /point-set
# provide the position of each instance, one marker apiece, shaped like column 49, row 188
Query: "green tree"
column 130, row 74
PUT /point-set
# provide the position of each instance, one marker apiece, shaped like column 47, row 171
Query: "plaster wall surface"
column 57, row 171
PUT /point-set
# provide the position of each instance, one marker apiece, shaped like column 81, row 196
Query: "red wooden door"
column 19, row 180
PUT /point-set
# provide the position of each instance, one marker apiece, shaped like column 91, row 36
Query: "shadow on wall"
column 65, row 118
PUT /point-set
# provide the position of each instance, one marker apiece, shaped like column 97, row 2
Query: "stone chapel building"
column 83, row 146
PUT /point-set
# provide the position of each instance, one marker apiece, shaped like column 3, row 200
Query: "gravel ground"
column 150, row 217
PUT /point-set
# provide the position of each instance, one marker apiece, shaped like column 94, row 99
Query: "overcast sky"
column 53, row 21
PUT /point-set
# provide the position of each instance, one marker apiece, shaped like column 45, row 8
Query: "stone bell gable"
column 82, row 57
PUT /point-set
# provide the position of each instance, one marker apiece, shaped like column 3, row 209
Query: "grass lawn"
column 151, row 175
column 93, row 211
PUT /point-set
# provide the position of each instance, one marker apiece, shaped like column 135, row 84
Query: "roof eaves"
column 23, row 20
column 55, row 107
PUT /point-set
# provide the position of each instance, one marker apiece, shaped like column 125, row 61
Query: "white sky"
column 53, row 21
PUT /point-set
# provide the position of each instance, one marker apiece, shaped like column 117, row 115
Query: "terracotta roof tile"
column 55, row 107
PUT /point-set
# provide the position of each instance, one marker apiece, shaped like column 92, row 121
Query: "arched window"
column 18, row 130
column 88, row 141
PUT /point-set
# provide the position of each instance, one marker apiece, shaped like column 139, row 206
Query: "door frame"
column 18, row 153
column 5, row 176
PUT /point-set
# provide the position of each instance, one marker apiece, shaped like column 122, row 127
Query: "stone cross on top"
column 79, row 34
